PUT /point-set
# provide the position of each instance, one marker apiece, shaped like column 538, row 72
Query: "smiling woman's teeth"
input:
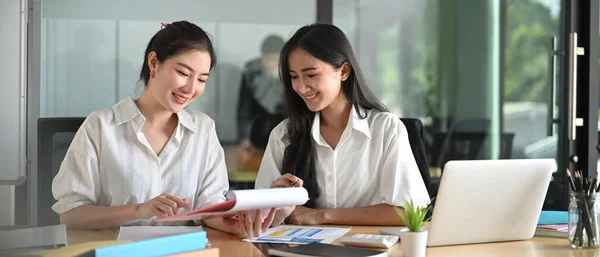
column 311, row 96
column 179, row 98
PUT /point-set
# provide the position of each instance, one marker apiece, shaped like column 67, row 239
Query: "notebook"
column 73, row 250
column 156, row 247
column 212, row 252
column 137, row 233
column 558, row 231
column 553, row 217
column 324, row 250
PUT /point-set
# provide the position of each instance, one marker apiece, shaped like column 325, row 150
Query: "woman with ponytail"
column 149, row 157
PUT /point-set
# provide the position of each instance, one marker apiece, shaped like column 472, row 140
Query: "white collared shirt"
column 372, row 163
column 110, row 162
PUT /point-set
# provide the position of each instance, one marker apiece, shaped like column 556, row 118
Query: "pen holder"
column 583, row 220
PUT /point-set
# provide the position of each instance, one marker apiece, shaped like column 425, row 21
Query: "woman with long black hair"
column 339, row 142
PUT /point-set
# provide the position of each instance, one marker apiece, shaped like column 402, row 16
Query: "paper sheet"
column 137, row 233
column 300, row 235
column 268, row 198
column 242, row 200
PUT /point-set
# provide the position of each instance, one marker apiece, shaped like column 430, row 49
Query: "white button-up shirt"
column 110, row 162
column 372, row 163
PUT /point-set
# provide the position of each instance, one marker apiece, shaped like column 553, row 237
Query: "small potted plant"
column 414, row 238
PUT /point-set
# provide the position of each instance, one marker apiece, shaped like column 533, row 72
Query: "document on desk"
column 300, row 235
column 246, row 200
column 137, row 233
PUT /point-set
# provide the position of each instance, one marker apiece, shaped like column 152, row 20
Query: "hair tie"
column 163, row 25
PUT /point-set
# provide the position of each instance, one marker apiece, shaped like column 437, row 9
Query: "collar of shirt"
column 127, row 110
column 354, row 122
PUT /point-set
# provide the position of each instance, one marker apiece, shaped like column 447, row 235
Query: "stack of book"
column 553, row 224
column 559, row 230
column 182, row 245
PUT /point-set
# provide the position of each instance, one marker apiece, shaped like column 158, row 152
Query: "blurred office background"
column 477, row 73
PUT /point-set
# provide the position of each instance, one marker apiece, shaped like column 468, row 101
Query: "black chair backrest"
column 465, row 146
column 414, row 127
column 54, row 138
column 506, row 145
column 457, row 146
column 262, row 127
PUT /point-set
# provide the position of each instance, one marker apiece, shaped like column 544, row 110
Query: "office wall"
column 474, row 57
column 7, row 200
column 229, row 11
column 470, row 71
column 12, row 164
column 441, row 60
column 429, row 59
column 389, row 38
column 92, row 55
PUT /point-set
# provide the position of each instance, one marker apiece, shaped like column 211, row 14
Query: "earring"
column 152, row 74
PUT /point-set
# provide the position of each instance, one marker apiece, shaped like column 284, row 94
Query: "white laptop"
column 489, row 201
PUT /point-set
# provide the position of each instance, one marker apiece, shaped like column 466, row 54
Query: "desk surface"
column 230, row 245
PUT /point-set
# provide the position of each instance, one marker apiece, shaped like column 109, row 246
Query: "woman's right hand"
column 162, row 206
column 286, row 180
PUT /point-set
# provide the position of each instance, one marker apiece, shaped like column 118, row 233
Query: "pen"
column 593, row 182
column 578, row 184
column 571, row 182
column 579, row 180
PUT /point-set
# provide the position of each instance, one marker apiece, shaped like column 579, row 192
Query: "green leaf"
column 413, row 215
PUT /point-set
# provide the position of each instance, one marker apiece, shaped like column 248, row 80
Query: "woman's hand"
column 245, row 226
column 161, row 206
column 306, row 216
column 287, row 180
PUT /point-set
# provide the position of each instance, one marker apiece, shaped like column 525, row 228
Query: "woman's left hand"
column 307, row 216
column 245, row 226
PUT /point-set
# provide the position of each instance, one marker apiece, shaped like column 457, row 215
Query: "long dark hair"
column 176, row 38
column 329, row 44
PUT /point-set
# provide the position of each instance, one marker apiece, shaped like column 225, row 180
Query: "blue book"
column 553, row 217
column 155, row 247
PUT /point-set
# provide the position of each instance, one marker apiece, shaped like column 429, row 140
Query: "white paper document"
column 299, row 235
column 267, row 198
column 137, row 233
column 244, row 200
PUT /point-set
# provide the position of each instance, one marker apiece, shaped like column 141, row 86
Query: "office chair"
column 465, row 146
column 414, row 127
column 456, row 146
column 259, row 138
column 506, row 145
column 54, row 138
column 261, row 129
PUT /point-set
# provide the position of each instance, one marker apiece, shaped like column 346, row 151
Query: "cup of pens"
column 583, row 212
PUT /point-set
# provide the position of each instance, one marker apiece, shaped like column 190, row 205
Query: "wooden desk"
column 242, row 168
column 230, row 245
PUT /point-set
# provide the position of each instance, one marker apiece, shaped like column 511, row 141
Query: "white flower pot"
column 413, row 244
